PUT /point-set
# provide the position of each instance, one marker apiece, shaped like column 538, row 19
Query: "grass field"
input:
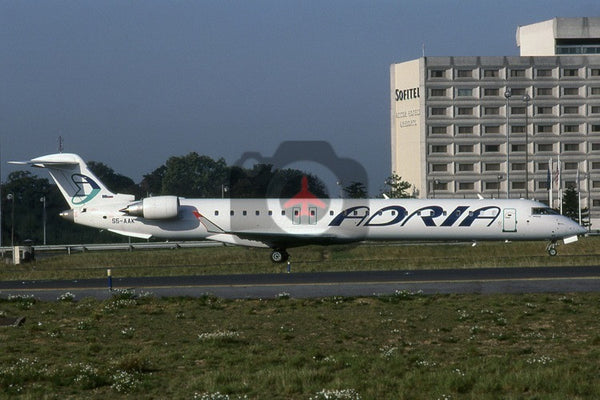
column 401, row 346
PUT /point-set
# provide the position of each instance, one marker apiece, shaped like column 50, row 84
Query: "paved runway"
column 326, row 284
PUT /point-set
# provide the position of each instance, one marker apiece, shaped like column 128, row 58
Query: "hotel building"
column 499, row 126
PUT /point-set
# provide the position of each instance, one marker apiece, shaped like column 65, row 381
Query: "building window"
column 595, row 109
column 518, row 185
column 492, row 185
column 595, row 165
column 517, row 147
column 465, row 111
column 437, row 73
column 570, row 110
column 517, row 110
column 491, row 92
column 492, row 110
column 570, row 128
column 596, row 203
column 440, row 185
column 492, row 167
column 462, row 92
column 464, row 73
column 517, row 128
column 466, row 186
column 465, row 130
column 596, row 184
column 570, row 91
column 517, row 167
column 437, row 92
column 492, row 148
column 517, row 73
column 544, row 110
column 544, row 73
column 439, row 148
column 596, row 146
column 466, row 167
column 491, row 73
column 518, row 91
column 544, row 91
column 595, row 91
column 542, row 166
column 595, row 128
column 544, row 147
column 543, row 184
column 492, row 129
column 571, row 147
column 544, row 129
column 465, row 148
column 439, row 167
column 437, row 111
column 595, row 72
column 439, row 130
column 570, row 72
column 570, row 166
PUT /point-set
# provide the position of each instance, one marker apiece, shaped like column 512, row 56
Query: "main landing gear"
column 279, row 256
column 551, row 248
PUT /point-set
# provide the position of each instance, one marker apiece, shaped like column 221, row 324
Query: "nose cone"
column 68, row 215
column 568, row 227
column 581, row 230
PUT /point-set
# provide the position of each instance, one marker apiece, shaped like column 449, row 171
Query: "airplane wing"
column 271, row 238
column 287, row 240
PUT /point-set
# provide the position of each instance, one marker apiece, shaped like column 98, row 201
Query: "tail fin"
column 77, row 183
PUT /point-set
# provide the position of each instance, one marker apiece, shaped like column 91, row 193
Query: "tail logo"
column 84, row 193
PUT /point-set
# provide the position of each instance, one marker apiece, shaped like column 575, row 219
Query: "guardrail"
column 69, row 248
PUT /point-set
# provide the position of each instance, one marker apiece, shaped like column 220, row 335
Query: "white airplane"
column 280, row 224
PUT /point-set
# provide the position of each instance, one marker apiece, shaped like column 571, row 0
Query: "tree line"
column 191, row 175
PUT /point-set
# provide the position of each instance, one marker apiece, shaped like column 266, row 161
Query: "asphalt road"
column 326, row 284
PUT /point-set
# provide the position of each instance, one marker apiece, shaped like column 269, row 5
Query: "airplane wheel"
column 552, row 251
column 279, row 256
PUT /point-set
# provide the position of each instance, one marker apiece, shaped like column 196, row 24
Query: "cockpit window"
column 543, row 211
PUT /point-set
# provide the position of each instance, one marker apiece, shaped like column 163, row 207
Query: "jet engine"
column 159, row 207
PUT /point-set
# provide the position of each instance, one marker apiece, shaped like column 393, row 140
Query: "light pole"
column 435, row 183
column 507, row 95
column 526, row 99
column 11, row 197
column 499, row 179
column 43, row 200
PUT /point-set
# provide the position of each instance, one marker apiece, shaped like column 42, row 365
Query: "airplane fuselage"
column 344, row 220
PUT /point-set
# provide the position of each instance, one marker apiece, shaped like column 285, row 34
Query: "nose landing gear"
column 551, row 248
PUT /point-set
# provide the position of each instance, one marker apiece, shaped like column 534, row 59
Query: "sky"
column 132, row 83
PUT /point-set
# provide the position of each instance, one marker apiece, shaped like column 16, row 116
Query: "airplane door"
column 312, row 215
column 509, row 220
column 296, row 216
